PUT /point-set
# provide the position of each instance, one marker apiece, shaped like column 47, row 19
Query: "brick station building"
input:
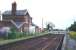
column 20, row 19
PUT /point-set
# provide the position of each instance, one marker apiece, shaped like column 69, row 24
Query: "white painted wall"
column 32, row 29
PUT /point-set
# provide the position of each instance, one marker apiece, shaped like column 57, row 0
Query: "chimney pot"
column 14, row 8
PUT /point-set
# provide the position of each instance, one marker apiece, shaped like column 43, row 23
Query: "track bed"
column 46, row 42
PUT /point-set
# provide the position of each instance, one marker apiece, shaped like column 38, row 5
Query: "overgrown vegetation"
column 72, row 28
column 22, row 38
column 13, row 34
column 72, row 35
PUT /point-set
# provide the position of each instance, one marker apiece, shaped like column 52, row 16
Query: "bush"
column 12, row 33
column 19, row 34
column 24, row 33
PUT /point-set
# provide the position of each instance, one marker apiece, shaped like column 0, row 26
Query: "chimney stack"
column 14, row 8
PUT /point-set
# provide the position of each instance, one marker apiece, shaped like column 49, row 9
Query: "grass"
column 2, row 42
column 72, row 35
column 69, row 49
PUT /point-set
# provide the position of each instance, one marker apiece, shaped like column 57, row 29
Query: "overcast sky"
column 60, row 12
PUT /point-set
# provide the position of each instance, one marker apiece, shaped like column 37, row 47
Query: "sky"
column 62, row 13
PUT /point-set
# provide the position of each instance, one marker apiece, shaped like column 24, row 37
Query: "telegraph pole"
column 42, row 23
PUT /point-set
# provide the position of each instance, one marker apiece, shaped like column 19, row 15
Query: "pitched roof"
column 18, row 12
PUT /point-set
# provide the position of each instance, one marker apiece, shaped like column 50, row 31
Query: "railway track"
column 46, row 42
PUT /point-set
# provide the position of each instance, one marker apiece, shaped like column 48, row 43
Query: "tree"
column 50, row 26
column 73, row 27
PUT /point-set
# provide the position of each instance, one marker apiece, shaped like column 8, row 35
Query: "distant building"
column 16, row 18
column 34, row 28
